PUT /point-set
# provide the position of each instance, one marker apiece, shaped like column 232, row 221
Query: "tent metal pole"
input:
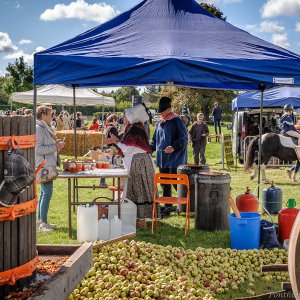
column 102, row 129
column 237, row 138
column 34, row 102
column 74, row 120
column 261, row 87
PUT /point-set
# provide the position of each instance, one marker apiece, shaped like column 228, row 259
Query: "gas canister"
column 286, row 219
column 247, row 202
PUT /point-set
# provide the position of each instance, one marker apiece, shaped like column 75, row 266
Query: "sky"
column 28, row 26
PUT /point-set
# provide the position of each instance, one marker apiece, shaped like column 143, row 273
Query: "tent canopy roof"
column 276, row 97
column 58, row 94
column 160, row 41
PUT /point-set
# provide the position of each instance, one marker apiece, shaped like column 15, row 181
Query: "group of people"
column 18, row 112
column 169, row 141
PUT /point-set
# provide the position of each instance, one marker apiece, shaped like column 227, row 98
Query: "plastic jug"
column 115, row 227
column 103, row 229
column 128, row 215
column 87, row 223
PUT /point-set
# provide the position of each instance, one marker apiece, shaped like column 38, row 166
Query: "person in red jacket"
column 94, row 125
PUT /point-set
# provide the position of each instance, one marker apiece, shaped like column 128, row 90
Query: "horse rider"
column 287, row 123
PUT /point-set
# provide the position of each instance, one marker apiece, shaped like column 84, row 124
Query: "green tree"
column 151, row 93
column 20, row 76
column 125, row 94
column 197, row 99
column 213, row 10
column 4, row 97
column 121, row 106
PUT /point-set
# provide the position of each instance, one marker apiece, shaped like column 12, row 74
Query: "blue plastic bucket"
column 244, row 231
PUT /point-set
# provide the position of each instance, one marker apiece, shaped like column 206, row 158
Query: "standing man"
column 217, row 114
column 170, row 141
column 198, row 133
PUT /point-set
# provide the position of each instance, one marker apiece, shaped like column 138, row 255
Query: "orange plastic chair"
column 162, row 178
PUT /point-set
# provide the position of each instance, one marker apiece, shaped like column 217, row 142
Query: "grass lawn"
column 170, row 231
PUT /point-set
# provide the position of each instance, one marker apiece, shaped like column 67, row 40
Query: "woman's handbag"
column 46, row 174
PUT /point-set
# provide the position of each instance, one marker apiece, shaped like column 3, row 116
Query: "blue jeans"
column 102, row 180
column 44, row 200
column 217, row 124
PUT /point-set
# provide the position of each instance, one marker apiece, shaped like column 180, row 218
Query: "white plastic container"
column 115, row 227
column 128, row 215
column 103, row 229
column 87, row 223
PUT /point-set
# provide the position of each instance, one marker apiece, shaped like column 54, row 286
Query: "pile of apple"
column 140, row 270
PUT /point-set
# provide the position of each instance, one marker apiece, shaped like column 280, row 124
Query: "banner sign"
column 228, row 151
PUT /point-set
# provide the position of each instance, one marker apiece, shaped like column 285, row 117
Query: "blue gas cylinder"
column 272, row 199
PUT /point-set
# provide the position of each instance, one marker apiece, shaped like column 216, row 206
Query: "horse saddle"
column 295, row 140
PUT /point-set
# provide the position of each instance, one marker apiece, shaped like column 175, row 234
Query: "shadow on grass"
column 171, row 232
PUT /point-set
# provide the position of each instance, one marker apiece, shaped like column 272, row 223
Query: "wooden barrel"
column 294, row 258
column 18, row 237
column 212, row 207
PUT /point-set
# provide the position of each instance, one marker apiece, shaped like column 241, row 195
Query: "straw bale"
column 86, row 140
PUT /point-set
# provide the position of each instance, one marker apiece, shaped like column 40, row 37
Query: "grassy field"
column 170, row 230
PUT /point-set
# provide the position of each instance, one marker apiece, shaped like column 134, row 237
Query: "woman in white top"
column 138, row 161
column 47, row 148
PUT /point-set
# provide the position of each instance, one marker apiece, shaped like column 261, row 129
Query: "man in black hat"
column 170, row 141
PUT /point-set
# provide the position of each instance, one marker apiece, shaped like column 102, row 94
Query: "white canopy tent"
column 61, row 95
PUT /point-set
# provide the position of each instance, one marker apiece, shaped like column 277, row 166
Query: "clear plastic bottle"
column 103, row 229
column 115, row 227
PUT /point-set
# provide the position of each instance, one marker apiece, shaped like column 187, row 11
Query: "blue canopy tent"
column 276, row 97
column 161, row 41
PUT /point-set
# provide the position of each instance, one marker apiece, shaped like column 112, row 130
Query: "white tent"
column 61, row 95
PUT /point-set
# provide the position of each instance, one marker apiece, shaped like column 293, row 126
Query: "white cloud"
column 279, row 36
column 25, row 41
column 280, row 39
column 6, row 45
column 270, row 27
column 275, row 8
column 297, row 27
column 39, row 49
column 27, row 57
column 98, row 12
